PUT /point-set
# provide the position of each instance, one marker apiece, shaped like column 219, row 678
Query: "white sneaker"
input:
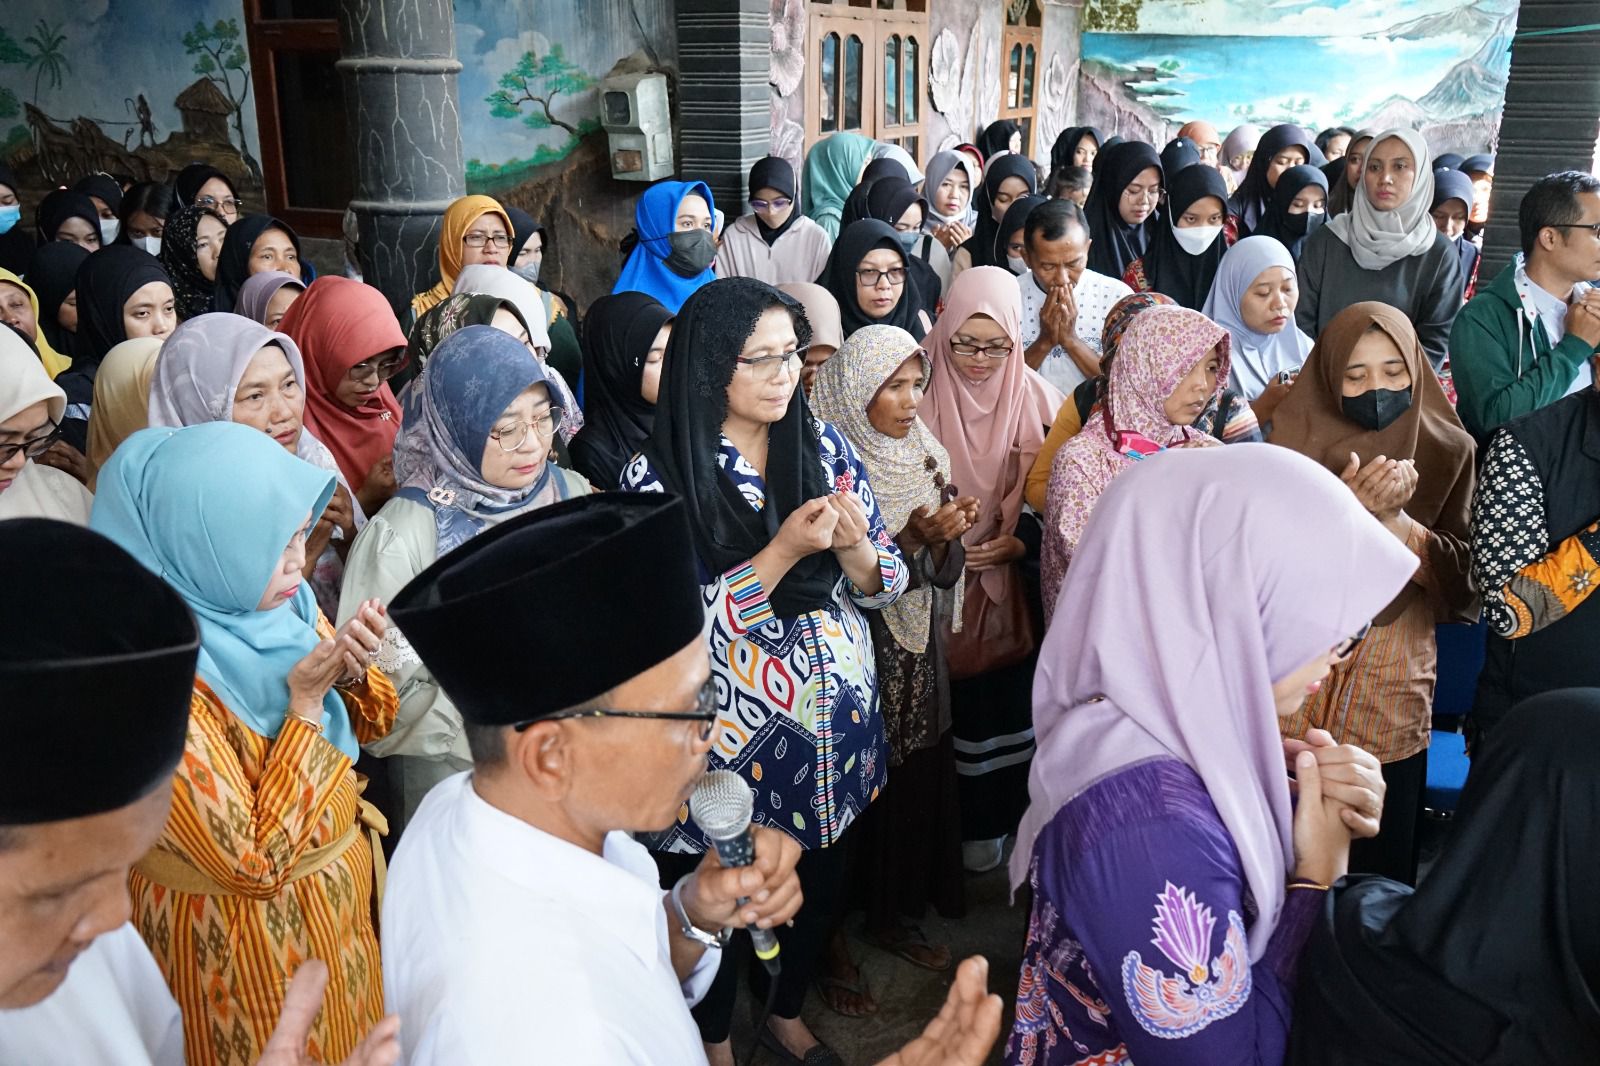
column 981, row 856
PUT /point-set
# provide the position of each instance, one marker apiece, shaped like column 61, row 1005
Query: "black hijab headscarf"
column 105, row 280
column 17, row 243
column 839, row 278
column 61, row 205
column 887, row 200
column 879, row 169
column 708, row 335
column 617, row 418
column 996, row 138
column 1250, row 199
column 1180, row 152
column 186, row 186
column 774, row 173
column 1456, row 185
column 523, row 227
column 980, row 246
column 1016, row 218
column 1495, row 959
column 1117, row 244
column 179, row 259
column 1170, row 269
column 1105, row 146
column 103, row 186
column 1066, row 145
column 233, row 265
column 1292, row 230
column 52, row 276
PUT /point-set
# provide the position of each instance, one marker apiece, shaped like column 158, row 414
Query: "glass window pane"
column 852, row 82
column 829, row 83
column 319, row 169
column 1014, row 77
column 912, row 145
column 1027, row 77
column 891, row 81
column 913, row 97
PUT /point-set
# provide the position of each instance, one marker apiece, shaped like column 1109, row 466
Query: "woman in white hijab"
column 31, row 408
column 1386, row 248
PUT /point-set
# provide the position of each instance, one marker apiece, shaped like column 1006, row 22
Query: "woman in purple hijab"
column 1173, row 882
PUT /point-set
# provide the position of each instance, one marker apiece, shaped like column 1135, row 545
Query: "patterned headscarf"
column 448, row 414
column 906, row 474
column 194, row 291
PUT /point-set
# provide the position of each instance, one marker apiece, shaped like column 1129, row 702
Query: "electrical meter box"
column 638, row 124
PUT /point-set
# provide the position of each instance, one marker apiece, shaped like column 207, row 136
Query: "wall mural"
column 965, row 85
column 1436, row 65
column 57, row 122
column 787, row 21
column 530, row 76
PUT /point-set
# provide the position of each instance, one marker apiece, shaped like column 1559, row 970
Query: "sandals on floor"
column 911, row 936
column 827, row 985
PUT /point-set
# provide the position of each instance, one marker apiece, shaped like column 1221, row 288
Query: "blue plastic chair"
column 1461, row 654
column 1447, row 772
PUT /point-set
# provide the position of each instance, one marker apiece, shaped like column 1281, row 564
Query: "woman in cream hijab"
column 31, row 409
column 121, row 398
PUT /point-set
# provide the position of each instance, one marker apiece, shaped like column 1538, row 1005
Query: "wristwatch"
column 688, row 928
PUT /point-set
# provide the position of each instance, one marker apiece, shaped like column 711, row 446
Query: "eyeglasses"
column 478, row 240
column 765, row 369
column 32, row 448
column 1347, row 647
column 227, row 205
column 383, row 370
column 515, row 435
column 705, row 712
column 973, row 351
column 780, row 204
column 1592, row 227
column 871, row 279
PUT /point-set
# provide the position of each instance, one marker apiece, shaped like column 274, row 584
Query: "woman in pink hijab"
column 991, row 413
column 1174, row 885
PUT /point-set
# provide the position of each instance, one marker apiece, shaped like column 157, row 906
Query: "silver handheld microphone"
column 722, row 805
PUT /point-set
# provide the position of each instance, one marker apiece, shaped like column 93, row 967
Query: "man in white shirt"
column 94, row 706
column 522, row 923
column 1064, row 303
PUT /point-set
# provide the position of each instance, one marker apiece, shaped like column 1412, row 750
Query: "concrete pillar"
column 399, row 59
column 1552, row 113
column 724, row 64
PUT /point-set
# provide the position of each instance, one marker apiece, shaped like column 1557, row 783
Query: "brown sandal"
column 904, row 945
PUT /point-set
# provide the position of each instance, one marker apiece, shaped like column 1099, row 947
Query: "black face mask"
column 692, row 252
column 1376, row 409
column 1303, row 225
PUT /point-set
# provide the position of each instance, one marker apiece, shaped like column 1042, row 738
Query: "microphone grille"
column 722, row 804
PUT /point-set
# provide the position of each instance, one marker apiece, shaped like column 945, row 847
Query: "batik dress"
column 250, row 815
column 798, row 697
column 1138, row 947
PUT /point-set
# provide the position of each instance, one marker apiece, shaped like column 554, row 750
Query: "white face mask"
column 1196, row 239
column 149, row 244
column 109, row 228
column 1018, row 266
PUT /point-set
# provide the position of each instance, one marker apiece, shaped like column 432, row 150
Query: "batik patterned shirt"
column 1138, row 946
column 798, row 697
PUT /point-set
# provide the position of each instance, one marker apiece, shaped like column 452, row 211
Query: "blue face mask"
column 10, row 216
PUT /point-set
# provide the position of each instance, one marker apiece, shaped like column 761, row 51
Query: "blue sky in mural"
column 491, row 35
column 141, row 41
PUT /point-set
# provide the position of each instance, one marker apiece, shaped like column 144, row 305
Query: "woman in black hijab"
column 527, row 235
column 65, row 215
column 240, row 257
column 1180, row 152
column 1298, row 208
column 896, row 201
column 1495, row 959
column 204, row 180
column 1008, row 239
column 143, row 215
column 1280, row 148
column 16, row 241
column 1189, row 240
column 868, row 303
column 1007, row 179
column 624, row 337
column 997, row 137
column 106, row 195
column 1076, row 147
column 53, row 276
column 180, row 257
column 882, row 168
column 1122, row 219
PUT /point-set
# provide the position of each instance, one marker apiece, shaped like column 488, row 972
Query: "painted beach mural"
column 1437, row 65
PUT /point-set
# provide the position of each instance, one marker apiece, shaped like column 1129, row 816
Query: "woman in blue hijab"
column 673, row 248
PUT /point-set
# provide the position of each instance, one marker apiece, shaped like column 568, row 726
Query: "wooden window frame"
column 1024, row 29
column 874, row 26
column 266, row 39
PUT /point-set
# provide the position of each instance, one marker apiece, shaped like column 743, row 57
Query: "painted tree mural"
column 221, row 58
column 10, row 52
column 539, row 80
column 45, row 58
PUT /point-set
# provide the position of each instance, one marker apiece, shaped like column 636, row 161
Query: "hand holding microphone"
column 747, row 880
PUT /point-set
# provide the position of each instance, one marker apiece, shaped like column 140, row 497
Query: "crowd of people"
column 910, row 497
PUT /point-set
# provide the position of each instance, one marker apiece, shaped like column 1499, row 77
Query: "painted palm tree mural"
column 45, row 57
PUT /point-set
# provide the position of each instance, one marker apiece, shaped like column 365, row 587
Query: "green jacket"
column 1503, row 363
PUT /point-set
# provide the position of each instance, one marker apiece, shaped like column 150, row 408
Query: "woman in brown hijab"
column 1368, row 407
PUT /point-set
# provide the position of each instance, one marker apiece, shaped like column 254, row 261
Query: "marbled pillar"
column 399, row 57
column 724, row 118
